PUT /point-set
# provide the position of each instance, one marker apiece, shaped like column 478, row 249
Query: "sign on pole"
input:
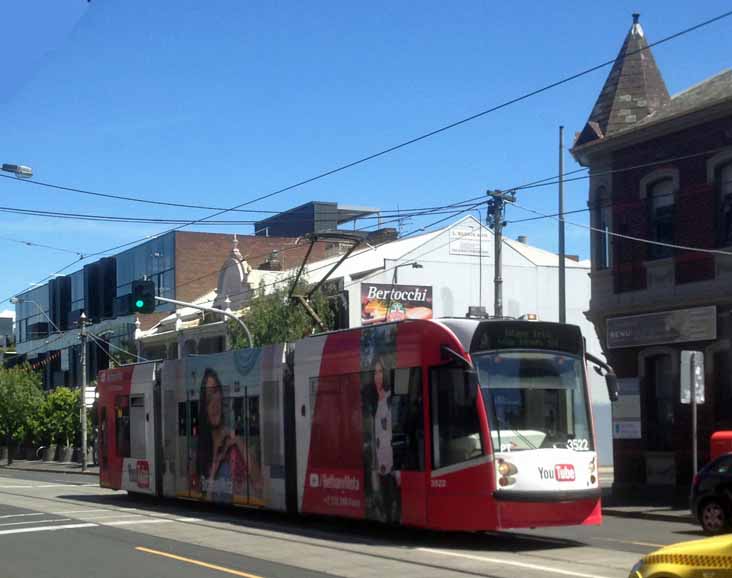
column 692, row 391
column 90, row 396
column 692, row 368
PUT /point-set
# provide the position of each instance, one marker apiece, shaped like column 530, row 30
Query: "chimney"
column 523, row 239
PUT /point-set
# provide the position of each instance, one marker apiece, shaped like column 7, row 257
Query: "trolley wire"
column 431, row 133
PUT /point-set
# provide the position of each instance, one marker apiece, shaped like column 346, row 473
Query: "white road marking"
column 65, row 512
column 47, row 528
column 188, row 519
column 130, row 522
column 25, row 515
column 505, row 562
column 109, row 516
column 37, row 522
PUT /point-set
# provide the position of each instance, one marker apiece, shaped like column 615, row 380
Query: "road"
column 55, row 525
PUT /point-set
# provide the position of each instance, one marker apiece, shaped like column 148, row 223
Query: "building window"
column 603, row 240
column 661, row 219
column 724, row 188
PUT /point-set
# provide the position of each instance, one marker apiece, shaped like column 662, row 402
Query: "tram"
column 449, row 424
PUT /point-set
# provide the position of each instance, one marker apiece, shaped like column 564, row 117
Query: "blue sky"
column 218, row 102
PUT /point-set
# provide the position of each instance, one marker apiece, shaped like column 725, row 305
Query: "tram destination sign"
column 491, row 335
column 677, row 326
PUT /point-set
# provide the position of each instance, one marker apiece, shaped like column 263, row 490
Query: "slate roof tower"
column 633, row 89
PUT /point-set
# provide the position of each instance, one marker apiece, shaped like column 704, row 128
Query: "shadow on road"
column 346, row 531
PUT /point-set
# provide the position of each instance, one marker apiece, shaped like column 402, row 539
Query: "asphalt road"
column 65, row 525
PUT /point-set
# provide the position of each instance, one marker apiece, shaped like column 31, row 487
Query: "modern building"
column 442, row 273
column 661, row 171
column 6, row 331
column 184, row 265
column 312, row 217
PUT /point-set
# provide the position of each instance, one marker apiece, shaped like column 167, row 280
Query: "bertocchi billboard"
column 386, row 302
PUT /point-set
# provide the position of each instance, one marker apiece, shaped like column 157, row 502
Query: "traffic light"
column 143, row 296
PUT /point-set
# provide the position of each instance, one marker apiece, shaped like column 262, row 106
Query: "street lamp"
column 19, row 300
column 20, row 171
column 413, row 265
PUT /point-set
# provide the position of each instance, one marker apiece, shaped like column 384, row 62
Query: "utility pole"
column 83, row 338
column 562, row 258
column 496, row 206
column 692, row 387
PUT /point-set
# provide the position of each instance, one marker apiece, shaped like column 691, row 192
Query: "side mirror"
column 611, row 380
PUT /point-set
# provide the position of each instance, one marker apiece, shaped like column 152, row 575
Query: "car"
column 711, row 495
column 708, row 558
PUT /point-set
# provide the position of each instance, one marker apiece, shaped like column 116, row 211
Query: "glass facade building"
column 101, row 290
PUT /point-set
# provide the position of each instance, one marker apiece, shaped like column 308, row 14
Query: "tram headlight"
column 506, row 469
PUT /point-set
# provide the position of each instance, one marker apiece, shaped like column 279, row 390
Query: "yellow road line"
column 197, row 562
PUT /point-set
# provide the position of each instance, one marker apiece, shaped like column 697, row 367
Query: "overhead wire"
column 437, row 131
column 424, row 136
column 41, row 246
column 629, row 237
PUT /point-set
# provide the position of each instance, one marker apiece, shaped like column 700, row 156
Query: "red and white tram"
column 452, row 424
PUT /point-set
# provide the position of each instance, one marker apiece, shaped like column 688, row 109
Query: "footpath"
column 51, row 467
column 646, row 512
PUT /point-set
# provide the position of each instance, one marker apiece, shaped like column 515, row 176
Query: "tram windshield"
column 535, row 399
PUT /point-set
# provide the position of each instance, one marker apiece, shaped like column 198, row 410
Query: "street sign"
column 692, row 364
column 90, row 396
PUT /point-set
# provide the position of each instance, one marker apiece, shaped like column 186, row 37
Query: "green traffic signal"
column 143, row 296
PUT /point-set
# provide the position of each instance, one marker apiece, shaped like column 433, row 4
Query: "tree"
column 20, row 397
column 61, row 415
column 273, row 318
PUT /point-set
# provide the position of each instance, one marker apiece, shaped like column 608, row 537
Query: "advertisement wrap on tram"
column 453, row 424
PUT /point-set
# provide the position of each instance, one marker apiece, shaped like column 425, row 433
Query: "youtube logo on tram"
column 564, row 473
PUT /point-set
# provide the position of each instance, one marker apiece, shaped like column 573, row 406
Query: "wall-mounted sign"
column 471, row 240
column 678, row 326
column 381, row 302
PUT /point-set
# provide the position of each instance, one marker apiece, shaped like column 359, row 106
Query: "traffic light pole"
column 83, row 338
column 228, row 314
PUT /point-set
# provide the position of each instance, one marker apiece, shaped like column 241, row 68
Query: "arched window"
column 661, row 205
column 724, row 188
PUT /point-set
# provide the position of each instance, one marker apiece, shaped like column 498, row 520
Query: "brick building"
column 184, row 266
column 661, row 169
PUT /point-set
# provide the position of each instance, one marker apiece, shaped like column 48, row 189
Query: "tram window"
column 194, row 418
column 122, row 426
column 137, row 427
column 239, row 417
column 407, row 420
column 253, row 416
column 182, row 419
column 455, row 417
column 103, row 435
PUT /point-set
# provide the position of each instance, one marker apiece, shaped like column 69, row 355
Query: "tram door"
column 136, row 423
